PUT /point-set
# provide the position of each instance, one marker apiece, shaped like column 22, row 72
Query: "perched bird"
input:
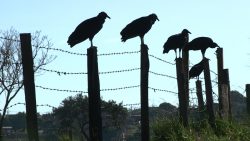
column 87, row 29
column 138, row 27
column 176, row 41
column 201, row 43
column 196, row 70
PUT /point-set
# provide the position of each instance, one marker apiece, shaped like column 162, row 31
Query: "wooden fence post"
column 209, row 94
column 226, row 73
column 95, row 119
column 224, row 113
column 199, row 96
column 220, row 65
column 29, row 87
column 181, row 93
column 144, row 93
column 185, row 63
column 248, row 98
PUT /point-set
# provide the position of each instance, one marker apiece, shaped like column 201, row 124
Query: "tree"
column 73, row 110
column 11, row 71
column 72, row 115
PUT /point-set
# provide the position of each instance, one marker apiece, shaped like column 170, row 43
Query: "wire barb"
column 162, row 90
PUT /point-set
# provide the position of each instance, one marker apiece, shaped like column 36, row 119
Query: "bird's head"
column 214, row 45
column 153, row 17
column 103, row 15
column 185, row 32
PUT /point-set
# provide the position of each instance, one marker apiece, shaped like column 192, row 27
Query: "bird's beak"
column 157, row 19
column 189, row 32
column 108, row 17
column 218, row 46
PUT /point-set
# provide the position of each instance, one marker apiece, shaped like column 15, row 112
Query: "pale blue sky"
column 226, row 21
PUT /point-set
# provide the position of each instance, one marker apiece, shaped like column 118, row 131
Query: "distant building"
column 7, row 130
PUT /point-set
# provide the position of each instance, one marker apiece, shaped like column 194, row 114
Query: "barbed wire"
column 135, row 104
column 4, row 38
column 119, row 71
column 120, row 88
column 38, row 105
column 61, row 50
column 106, row 89
column 78, row 91
column 162, row 90
column 161, row 59
column 78, row 73
column 50, row 106
column 164, row 75
column 118, row 53
column 62, row 72
column 84, row 54
column 61, row 90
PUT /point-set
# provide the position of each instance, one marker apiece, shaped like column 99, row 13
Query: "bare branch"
column 11, row 71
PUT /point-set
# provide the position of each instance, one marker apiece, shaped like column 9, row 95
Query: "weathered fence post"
column 226, row 74
column 248, row 98
column 220, row 65
column 185, row 63
column 224, row 113
column 144, row 93
column 199, row 96
column 209, row 94
column 95, row 119
column 29, row 87
column 181, row 93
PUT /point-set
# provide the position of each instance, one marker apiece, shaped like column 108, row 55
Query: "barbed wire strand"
column 77, row 73
column 4, row 38
column 161, row 59
column 135, row 104
column 38, row 105
column 164, row 75
column 162, row 90
column 61, row 50
column 84, row 54
column 78, row 91
column 50, row 106
column 61, row 90
column 119, row 53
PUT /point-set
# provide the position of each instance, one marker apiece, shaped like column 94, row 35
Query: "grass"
column 172, row 130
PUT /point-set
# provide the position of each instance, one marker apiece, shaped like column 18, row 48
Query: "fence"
column 94, row 88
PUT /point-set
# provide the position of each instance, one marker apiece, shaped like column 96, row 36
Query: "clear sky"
column 225, row 21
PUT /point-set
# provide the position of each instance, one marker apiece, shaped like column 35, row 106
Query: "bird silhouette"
column 176, row 41
column 201, row 43
column 138, row 27
column 87, row 29
column 196, row 70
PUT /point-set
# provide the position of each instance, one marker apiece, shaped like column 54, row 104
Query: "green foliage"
column 172, row 130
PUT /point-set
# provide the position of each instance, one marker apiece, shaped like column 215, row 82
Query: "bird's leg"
column 203, row 54
column 179, row 52
column 91, row 43
column 175, row 54
column 142, row 40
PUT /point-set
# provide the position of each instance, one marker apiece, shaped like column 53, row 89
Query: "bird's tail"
column 71, row 40
column 123, row 39
column 70, row 43
column 165, row 50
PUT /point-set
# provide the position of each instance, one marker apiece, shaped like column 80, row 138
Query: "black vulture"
column 138, row 27
column 176, row 41
column 201, row 43
column 87, row 29
column 196, row 70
